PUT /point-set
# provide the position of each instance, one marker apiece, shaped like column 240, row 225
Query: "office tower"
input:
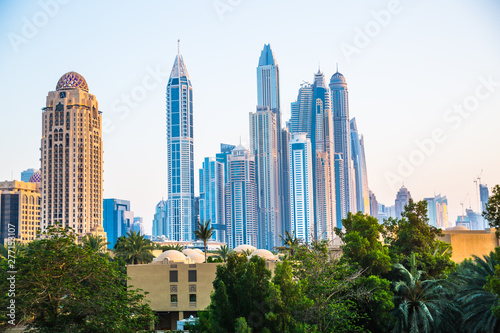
column 180, row 176
column 302, row 117
column 26, row 174
column 160, row 220
column 360, row 173
column 340, row 107
column 118, row 219
column 138, row 225
column 301, row 187
column 20, row 210
column 212, row 197
column 484, row 195
column 71, row 158
column 373, row 204
column 241, row 199
column 402, row 199
column 437, row 211
column 475, row 220
column 285, row 180
column 265, row 144
column 225, row 151
column 339, row 189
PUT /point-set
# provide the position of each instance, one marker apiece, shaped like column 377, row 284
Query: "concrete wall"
column 466, row 243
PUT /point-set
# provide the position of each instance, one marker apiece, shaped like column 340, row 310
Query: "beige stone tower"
column 71, row 163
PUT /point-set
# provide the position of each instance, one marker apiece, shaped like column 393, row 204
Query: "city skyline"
column 405, row 117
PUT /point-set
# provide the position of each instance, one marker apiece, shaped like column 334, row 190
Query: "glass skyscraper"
column 212, row 197
column 118, row 219
column 180, row 176
column 360, row 176
column 160, row 220
column 342, row 140
column 241, row 199
column 301, row 187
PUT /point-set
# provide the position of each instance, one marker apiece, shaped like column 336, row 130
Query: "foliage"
column 204, row 232
column 134, row 248
column 176, row 247
column 475, row 296
column 422, row 305
column 241, row 326
column 413, row 234
column 64, row 287
column 361, row 235
column 214, row 259
column 290, row 243
column 223, row 252
column 96, row 243
column 492, row 213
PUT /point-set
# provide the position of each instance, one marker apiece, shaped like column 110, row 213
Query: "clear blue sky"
column 405, row 77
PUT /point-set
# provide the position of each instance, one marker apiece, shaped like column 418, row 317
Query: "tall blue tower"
column 180, row 153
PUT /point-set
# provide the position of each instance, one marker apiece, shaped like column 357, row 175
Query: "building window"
column 173, row 300
column 192, row 299
column 174, row 276
column 192, row 276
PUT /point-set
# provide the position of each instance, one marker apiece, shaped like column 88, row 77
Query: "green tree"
column 362, row 246
column 413, row 234
column 96, row 243
column 224, row 252
column 176, row 247
column 134, row 248
column 492, row 212
column 242, row 326
column 477, row 294
column 422, row 305
column 204, row 232
column 64, row 287
column 290, row 243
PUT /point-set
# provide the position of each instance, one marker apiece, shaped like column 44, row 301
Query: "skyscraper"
column 360, row 175
column 225, row 151
column 285, row 180
column 484, row 196
column 437, row 211
column 212, row 197
column 241, row 199
column 71, row 161
column 160, row 220
column 265, row 143
column 373, row 204
column 180, row 153
column 341, row 130
column 138, row 225
column 26, row 174
column 339, row 189
column 301, row 187
column 402, row 199
column 118, row 219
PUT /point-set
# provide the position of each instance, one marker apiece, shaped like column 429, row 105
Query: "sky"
column 423, row 79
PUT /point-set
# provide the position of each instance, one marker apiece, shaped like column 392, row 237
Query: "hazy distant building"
column 484, row 195
column 212, row 197
column 180, row 153
column 138, row 225
column 373, row 205
column 118, row 219
column 20, row 210
column 341, row 130
column 360, row 171
column 241, row 199
column 72, row 158
column 402, row 199
column 26, row 174
column 475, row 219
column 437, row 211
column 265, row 143
column 160, row 220
column 301, row 187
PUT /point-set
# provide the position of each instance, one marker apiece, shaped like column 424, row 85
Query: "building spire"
column 178, row 47
column 337, row 67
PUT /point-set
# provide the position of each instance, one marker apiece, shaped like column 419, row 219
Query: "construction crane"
column 477, row 182
column 462, row 204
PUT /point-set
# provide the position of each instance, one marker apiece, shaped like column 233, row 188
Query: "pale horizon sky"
column 412, row 68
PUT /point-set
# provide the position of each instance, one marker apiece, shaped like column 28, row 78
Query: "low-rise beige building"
column 466, row 243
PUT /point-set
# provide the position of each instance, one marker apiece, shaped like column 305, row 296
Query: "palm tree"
column 422, row 306
column 476, row 302
column 224, row 252
column 18, row 249
column 204, row 232
column 176, row 247
column 96, row 243
column 134, row 248
column 290, row 243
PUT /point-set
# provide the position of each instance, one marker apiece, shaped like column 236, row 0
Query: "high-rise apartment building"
column 71, row 158
column 160, row 220
column 373, row 204
column 180, row 153
column 118, row 219
column 339, row 189
column 212, row 197
column 360, row 173
column 301, row 187
column 342, row 140
column 265, row 144
column 285, row 180
column 437, row 211
column 19, row 211
column 402, row 199
column 241, row 199
column 225, row 151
